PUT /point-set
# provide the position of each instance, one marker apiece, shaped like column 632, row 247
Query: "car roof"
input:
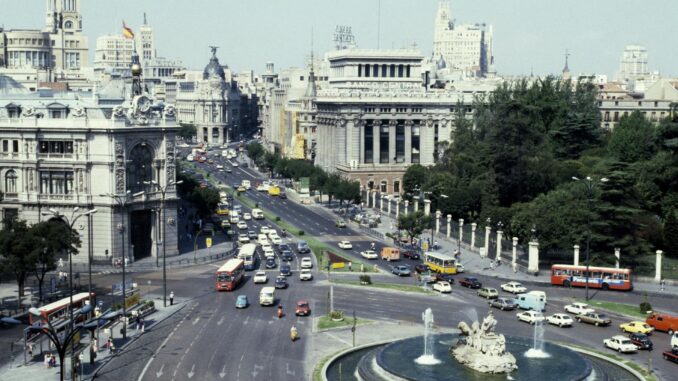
column 302, row 301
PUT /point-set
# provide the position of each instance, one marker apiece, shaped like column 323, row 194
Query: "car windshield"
column 224, row 278
column 302, row 304
column 601, row 316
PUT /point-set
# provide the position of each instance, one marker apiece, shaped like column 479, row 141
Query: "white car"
column 346, row 245
column 266, row 246
column 460, row 268
column 260, row 277
column 531, row 317
column 561, row 320
column 369, row 254
column 262, row 239
column 674, row 340
column 219, row 166
column 268, row 252
column 243, row 238
column 264, row 230
column 621, row 344
column 234, row 219
column 306, row 263
column 242, row 225
column 234, row 164
column 276, row 240
column 271, row 233
column 246, row 216
column 442, row 286
column 578, row 308
column 305, row 274
column 514, row 288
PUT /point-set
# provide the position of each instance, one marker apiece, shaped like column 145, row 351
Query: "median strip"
column 620, row 308
column 384, row 286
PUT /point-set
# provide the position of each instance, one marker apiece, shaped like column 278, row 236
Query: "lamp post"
column 590, row 186
column 121, row 201
column 163, row 191
column 70, row 222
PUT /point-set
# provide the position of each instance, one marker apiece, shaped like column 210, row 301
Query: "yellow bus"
column 222, row 209
column 440, row 262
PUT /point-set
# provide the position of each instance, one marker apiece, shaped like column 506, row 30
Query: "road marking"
column 256, row 370
column 191, row 373
column 339, row 339
column 158, row 374
column 221, row 321
column 247, row 319
column 287, row 368
column 197, row 319
column 222, row 374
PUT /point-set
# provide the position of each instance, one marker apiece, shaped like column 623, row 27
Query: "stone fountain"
column 482, row 349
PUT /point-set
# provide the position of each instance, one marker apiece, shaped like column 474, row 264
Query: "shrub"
column 336, row 315
column 365, row 279
column 645, row 306
column 277, row 218
column 150, row 303
column 300, row 233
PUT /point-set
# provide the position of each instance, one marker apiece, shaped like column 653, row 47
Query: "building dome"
column 9, row 86
column 213, row 69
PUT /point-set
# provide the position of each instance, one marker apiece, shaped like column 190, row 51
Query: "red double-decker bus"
column 230, row 274
column 607, row 278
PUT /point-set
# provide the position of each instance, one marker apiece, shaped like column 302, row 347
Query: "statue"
column 214, row 50
column 482, row 349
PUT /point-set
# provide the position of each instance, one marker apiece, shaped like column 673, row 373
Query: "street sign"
column 208, row 242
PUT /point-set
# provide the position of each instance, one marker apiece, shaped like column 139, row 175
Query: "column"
column 473, row 235
column 407, row 206
column 576, row 255
column 381, row 203
column 438, row 214
column 374, row 199
column 514, row 251
column 461, row 231
column 427, row 207
column 392, row 140
column 397, row 209
column 388, row 208
column 533, row 257
column 500, row 235
column 376, row 125
column 658, row 267
column 361, row 149
column 488, row 229
column 408, row 141
column 416, row 204
column 617, row 256
column 449, row 222
column 221, row 134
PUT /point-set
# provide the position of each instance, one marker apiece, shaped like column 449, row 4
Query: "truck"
column 257, row 214
column 390, row 253
column 530, row 302
column 246, row 184
column 663, row 322
column 267, row 296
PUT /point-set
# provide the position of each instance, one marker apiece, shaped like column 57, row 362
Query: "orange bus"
column 230, row 274
column 59, row 309
column 607, row 278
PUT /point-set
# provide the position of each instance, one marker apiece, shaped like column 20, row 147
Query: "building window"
column 383, row 144
column 68, row 24
column 140, row 168
column 607, row 116
column 367, row 70
column 368, row 144
column 396, row 186
column 408, row 71
column 360, row 70
column 375, row 70
column 400, row 144
column 384, row 70
column 400, row 71
column 56, row 182
column 10, row 181
column 392, row 71
column 415, row 144
column 55, row 147
column 383, row 186
column 5, row 146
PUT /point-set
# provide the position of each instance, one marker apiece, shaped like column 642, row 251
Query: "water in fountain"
column 537, row 350
column 427, row 358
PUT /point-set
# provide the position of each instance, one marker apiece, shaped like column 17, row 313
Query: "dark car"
column 470, row 282
column 421, row 268
column 282, row 196
column 302, row 247
column 641, row 340
column 252, row 234
column 504, row 304
column 411, row 254
column 446, row 277
column 284, row 247
column 401, row 270
column 281, row 281
column 285, row 269
column 286, row 255
column 270, row 263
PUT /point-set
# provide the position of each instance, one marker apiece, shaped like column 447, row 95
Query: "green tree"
column 15, row 251
column 47, row 239
column 205, row 200
column 414, row 223
column 671, row 234
column 414, row 178
column 633, row 139
column 255, row 151
column 187, row 131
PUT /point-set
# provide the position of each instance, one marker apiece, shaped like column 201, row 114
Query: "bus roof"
column 443, row 256
column 64, row 302
column 591, row 268
column 247, row 249
column 230, row 265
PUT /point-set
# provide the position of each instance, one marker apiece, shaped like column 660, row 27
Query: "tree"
column 414, row 178
column 414, row 223
column 187, row 131
column 206, row 200
column 255, row 151
column 671, row 234
column 48, row 238
column 633, row 139
column 15, row 249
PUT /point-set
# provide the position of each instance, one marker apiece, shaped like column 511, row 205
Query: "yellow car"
column 636, row 327
column 241, row 189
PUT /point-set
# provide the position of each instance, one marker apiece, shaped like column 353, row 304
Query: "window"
column 383, row 186
column 400, row 71
column 360, row 70
column 383, row 144
column 368, row 144
column 367, row 70
column 15, row 146
column 396, row 186
column 415, row 144
column 68, row 24
column 10, row 181
column 375, row 70
column 392, row 71
column 383, row 71
column 57, row 147
column 400, row 144
column 56, row 182
column 140, row 168
column 5, row 146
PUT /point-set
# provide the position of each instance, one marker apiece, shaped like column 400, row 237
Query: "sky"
column 529, row 35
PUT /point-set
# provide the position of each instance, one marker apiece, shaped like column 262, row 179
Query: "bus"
column 59, row 309
column 248, row 254
column 222, row 209
column 606, row 278
column 440, row 262
column 230, row 274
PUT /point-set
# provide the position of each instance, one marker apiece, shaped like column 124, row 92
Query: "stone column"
column 374, row 199
column 388, row 203
column 381, row 203
column 576, row 255
column 397, row 209
column 438, row 214
column 449, row 222
column 427, row 207
column 407, row 206
column 408, row 141
column 533, row 261
column 361, row 149
column 514, row 251
column 392, row 140
column 416, row 204
column 500, row 235
column 473, row 235
column 221, row 134
column 461, row 231
column 488, row 230
column 617, row 256
column 658, row 266
column 376, row 131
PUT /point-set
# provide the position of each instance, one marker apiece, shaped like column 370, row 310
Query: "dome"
column 9, row 86
column 213, row 68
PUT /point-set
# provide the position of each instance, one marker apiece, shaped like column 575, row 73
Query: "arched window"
column 68, row 24
column 10, row 181
column 139, row 168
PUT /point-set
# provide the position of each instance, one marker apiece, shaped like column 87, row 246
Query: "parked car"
column 411, row 254
column 442, row 287
column 449, row 278
column 340, row 223
column 532, row 317
column 504, row 304
column 514, row 288
column 285, row 269
column 401, row 270
column 470, row 282
column 671, row 355
column 674, row 340
column 578, row 308
column 302, row 308
column 306, row 263
column 636, row 327
column 620, row 344
column 641, row 340
column 241, row 301
column 594, row 318
column 369, row 254
column 346, row 245
column 561, row 320
column 488, row 293
column 260, row 277
column 281, row 281
column 305, row 274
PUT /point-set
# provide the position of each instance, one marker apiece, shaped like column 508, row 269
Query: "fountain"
column 537, row 350
column 482, row 349
column 427, row 358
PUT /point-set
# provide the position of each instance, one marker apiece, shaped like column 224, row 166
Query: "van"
column 267, row 296
column 663, row 322
column 233, row 217
column 541, row 294
column 257, row 214
column 246, row 184
column 390, row 254
column 530, row 302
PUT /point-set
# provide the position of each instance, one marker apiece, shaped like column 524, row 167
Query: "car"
column 488, row 293
column 346, row 245
column 532, row 317
column 594, row 318
column 411, row 254
column 674, row 340
column 266, row 246
column 271, row 263
column 641, row 340
column 514, row 288
column 241, row 301
column 449, row 278
column 470, row 282
column 262, row 239
column 504, row 304
column 276, row 240
column 282, row 196
column 246, row 216
column 228, row 170
column 561, row 320
column 401, row 270
column 284, row 247
column 219, row 166
column 281, row 281
column 260, row 277
column 269, row 252
column 460, row 268
column 369, row 254
column 264, row 230
column 578, row 308
column 242, row 225
column 306, row 263
column 243, row 238
column 305, row 274
column 442, row 286
column 251, row 234
column 302, row 308
column 285, row 269
column 620, row 344
column 302, row 247
column 272, row 233
column 636, row 327
column 286, row 255
column 671, row 355
column 421, row 268
column 235, row 164
column 340, row 223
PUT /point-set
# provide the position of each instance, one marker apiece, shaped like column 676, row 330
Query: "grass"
column 319, row 250
column 386, row 286
column 324, row 322
column 621, row 308
column 317, row 371
column 647, row 375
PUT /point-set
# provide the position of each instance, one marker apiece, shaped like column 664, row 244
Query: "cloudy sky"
column 528, row 34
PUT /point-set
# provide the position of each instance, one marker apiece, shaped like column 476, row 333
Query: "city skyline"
column 281, row 31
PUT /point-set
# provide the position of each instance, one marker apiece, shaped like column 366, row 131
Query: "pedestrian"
column 52, row 361
column 171, row 297
column 47, row 360
column 350, row 266
column 515, row 267
column 109, row 345
column 662, row 284
column 95, row 345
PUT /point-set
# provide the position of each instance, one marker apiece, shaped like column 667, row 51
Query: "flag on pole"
column 127, row 31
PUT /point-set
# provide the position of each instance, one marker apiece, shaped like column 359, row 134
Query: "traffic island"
column 395, row 287
column 327, row 322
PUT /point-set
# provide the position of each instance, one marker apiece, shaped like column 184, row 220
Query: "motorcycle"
column 280, row 312
column 294, row 335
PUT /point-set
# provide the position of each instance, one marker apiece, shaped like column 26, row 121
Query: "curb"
column 605, row 358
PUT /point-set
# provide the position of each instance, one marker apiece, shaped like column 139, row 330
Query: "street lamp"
column 590, row 185
column 122, row 200
column 163, row 191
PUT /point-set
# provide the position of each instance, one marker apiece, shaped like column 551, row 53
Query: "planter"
column 338, row 319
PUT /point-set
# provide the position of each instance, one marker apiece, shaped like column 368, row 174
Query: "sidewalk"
column 35, row 369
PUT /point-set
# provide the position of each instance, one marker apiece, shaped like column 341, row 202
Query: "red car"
column 410, row 254
column 303, row 308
